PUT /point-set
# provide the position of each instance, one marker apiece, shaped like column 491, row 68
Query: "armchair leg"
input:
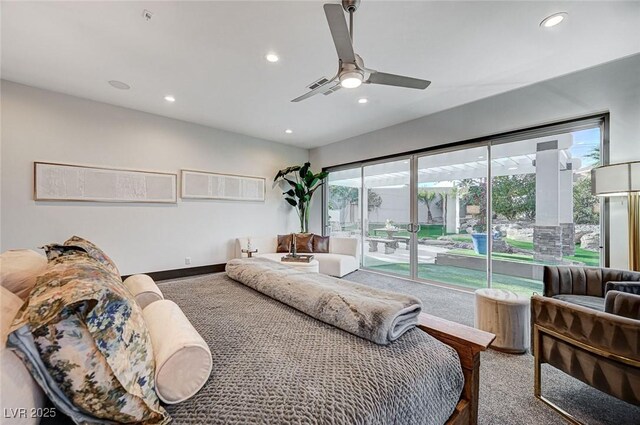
column 537, row 380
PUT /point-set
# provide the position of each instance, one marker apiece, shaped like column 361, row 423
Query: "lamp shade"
column 616, row 179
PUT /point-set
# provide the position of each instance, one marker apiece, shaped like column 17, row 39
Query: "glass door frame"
column 598, row 120
column 480, row 144
column 413, row 241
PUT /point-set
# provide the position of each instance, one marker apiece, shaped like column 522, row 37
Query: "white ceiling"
column 210, row 56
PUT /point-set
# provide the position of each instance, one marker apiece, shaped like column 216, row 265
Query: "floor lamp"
column 623, row 180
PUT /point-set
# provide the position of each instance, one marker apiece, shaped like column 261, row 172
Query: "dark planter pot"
column 479, row 243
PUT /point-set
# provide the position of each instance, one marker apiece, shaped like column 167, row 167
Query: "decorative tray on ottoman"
column 300, row 258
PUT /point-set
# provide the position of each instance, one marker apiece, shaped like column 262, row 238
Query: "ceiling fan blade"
column 340, row 32
column 320, row 89
column 397, row 80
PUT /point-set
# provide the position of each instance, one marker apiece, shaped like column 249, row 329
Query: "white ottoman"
column 312, row 266
column 505, row 314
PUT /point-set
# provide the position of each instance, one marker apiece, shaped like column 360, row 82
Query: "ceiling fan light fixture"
column 351, row 79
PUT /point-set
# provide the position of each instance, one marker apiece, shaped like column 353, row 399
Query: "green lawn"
column 428, row 231
column 467, row 278
column 588, row 258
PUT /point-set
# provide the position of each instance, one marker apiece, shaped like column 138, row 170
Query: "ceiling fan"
column 351, row 70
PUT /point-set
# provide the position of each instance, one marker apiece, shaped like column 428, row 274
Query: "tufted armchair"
column 587, row 324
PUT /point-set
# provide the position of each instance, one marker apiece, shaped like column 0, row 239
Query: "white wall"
column 613, row 87
column 39, row 125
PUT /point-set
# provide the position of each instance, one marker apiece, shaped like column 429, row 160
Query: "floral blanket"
column 91, row 341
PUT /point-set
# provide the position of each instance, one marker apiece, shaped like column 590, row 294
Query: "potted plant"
column 303, row 183
column 475, row 200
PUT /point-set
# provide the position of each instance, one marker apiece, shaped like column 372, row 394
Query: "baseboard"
column 186, row 272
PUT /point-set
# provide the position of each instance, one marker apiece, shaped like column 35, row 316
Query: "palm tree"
column 428, row 197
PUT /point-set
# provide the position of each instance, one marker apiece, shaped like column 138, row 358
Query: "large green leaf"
column 304, row 169
column 289, row 192
column 292, row 201
column 314, row 189
column 291, row 182
column 313, row 183
column 308, row 178
column 286, row 171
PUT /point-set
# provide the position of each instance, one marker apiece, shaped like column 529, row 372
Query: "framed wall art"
column 66, row 182
column 206, row 185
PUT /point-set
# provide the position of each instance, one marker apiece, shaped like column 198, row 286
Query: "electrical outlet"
column 187, row 260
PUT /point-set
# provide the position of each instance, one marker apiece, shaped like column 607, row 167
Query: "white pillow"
column 183, row 359
column 144, row 289
column 18, row 390
column 19, row 269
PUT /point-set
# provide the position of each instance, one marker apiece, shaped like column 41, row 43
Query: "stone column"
column 547, row 233
column 565, row 217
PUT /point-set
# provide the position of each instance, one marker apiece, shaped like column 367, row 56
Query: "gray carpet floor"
column 506, row 381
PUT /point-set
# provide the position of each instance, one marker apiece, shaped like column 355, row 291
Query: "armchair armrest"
column 622, row 304
column 344, row 246
column 629, row 287
column 617, row 336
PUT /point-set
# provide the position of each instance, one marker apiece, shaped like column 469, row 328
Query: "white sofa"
column 341, row 259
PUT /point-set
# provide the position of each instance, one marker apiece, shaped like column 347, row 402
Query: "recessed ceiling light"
column 513, row 168
column 119, row 85
column 553, row 20
column 169, row 98
column 363, row 100
column 272, row 57
column 288, row 131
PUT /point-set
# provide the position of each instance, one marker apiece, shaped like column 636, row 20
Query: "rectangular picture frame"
column 85, row 183
column 219, row 186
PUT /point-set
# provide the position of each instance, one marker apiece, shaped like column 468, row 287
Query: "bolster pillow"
column 183, row 359
column 144, row 289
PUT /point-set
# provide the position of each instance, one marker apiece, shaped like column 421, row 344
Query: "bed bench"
column 468, row 342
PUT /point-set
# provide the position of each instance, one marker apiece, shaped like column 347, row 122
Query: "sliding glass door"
column 452, row 212
column 343, row 197
column 488, row 214
column 387, row 217
column 543, row 208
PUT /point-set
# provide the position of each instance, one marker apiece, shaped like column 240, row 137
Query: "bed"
column 274, row 364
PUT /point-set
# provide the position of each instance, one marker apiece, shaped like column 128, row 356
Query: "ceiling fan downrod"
column 350, row 6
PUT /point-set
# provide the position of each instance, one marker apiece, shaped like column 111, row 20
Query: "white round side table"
column 505, row 314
